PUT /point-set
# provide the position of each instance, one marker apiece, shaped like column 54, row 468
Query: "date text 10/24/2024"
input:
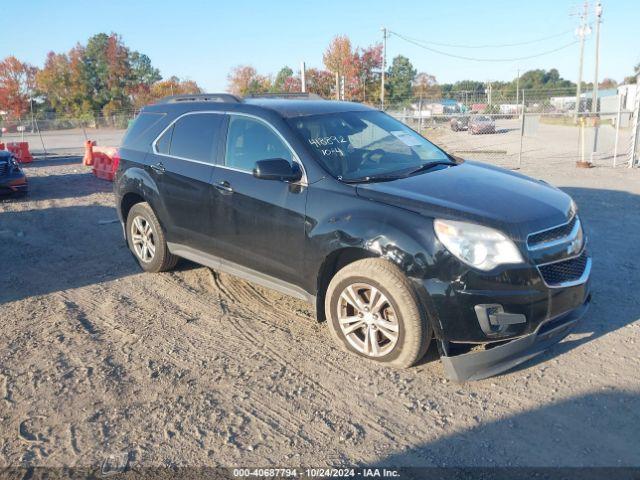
column 316, row 473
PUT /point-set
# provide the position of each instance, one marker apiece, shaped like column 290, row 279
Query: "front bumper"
column 14, row 184
column 486, row 363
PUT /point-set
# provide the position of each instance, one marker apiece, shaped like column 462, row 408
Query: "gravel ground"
column 195, row 367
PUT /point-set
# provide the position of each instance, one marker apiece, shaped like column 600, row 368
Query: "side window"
column 196, row 136
column 250, row 140
column 138, row 130
column 164, row 142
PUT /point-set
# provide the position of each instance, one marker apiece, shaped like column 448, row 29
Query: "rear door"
column 259, row 223
column 183, row 164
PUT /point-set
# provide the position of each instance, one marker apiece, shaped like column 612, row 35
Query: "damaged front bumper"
column 492, row 361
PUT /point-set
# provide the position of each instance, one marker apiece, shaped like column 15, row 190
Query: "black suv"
column 396, row 242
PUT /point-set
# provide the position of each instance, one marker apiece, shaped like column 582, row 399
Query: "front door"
column 260, row 224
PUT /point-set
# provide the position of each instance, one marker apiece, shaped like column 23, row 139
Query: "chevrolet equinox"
column 399, row 244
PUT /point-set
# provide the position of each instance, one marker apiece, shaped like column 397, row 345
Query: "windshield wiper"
column 398, row 174
column 429, row 165
column 372, row 178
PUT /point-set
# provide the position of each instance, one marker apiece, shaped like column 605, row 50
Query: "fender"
column 136, row 180
column 405, row 238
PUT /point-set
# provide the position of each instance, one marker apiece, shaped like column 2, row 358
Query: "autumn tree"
column 63, row 84
column 103, row 77
column 320, row 82
column 366, row 61
column 17, row 81
column 338, row 58
column 244, row 80
column 425, row 86
column 173, row 86
column 608, row 83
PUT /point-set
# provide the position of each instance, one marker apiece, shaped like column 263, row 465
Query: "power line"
column 488, row 45
column 475, row 59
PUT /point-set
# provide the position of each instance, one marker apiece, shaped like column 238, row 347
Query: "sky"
column 204, row 40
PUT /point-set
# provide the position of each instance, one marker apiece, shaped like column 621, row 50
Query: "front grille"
column 552, row 234
column 4, row 168
column 558, row 273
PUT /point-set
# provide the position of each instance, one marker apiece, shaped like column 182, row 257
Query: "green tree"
column 400, row 79
column 142, row 72
column 633, row 78
column 281, row 79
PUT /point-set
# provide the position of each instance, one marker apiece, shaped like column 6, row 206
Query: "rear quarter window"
column 139, row 134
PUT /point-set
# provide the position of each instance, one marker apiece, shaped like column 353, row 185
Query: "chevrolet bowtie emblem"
column 575, row 245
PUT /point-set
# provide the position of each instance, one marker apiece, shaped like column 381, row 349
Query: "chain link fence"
column 544, row 130
column 514, row 140
column 65, row 135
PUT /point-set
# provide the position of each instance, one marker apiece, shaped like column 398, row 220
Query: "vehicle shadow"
column 60, row 248
column 54, row 161
column 583, row 432
column 70, row 185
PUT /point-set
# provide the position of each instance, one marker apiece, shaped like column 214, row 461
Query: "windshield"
column 365, row 145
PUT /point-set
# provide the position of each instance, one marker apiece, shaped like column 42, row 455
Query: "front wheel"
column 146, row 240
column 373, row 311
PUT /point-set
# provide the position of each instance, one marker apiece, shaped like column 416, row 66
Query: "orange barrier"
column 21, row 151
column 88, row 153
column 105, row 162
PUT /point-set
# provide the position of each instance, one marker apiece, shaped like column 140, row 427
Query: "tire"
column 402, row 310
column 161, row 260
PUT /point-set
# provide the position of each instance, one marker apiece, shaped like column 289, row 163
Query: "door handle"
column 224, row 187
column 158, row 168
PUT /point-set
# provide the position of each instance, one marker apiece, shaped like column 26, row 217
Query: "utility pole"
column 303, row 77
column 518, row 90
column 583, row 31
column 384, row 66
column 594, row 98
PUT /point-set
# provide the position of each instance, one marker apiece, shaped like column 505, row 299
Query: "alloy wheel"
column 143, row 239
column 367, row 320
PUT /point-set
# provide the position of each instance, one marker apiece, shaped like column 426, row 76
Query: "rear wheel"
column 147, row 241
column 373, row 311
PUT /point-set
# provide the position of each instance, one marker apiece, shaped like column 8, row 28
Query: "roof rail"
column 299, row 96
column 201, row 97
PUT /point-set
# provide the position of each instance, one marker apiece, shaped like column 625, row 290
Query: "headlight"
column 573, row 209
column 481, row 247
column 15, row 166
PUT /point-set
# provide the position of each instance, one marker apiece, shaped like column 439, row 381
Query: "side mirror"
column 277, row 169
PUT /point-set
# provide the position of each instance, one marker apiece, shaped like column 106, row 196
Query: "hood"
column 478, row 193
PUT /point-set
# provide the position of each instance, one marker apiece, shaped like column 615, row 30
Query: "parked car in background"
column 12, row 177
column 393, row 240
column 459, row 123
column 481, row 124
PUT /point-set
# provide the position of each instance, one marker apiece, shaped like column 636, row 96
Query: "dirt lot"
column 198, row 368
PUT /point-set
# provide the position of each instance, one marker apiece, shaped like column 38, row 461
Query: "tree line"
column 361, row 69
column 104, row 77
column 101, row 78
